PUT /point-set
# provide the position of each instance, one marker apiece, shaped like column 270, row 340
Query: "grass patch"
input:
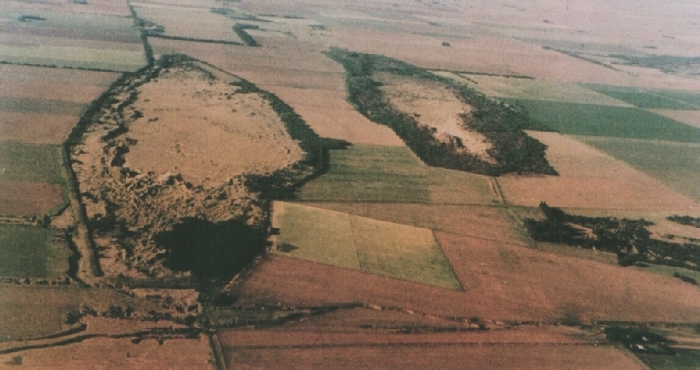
column 372, row 173
column 30, row 163
column 645, row 98
column 34, row 252
column 24, row 105
column 682, row 360
column 609, row 121
column 676, row 165
column 383, row 248
column 670, row 271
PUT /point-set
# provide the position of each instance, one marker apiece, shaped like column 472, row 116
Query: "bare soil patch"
column 590, row 179
column 25, row 199
column 437, row 108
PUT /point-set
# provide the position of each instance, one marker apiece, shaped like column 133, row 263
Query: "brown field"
column 314, row 86
column 104, row 7
column 47, row 84
column 501, row 282
column 25, row 199
column 589, row 178
column 36, row 128
column 491, row 223
column 449, row 356
column 119, row 353
column 689, row 117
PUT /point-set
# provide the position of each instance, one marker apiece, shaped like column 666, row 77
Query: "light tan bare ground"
column 436, row 107
column 589, row 178
column 106, row 7
column 26, row 198
column 689, row 117
column 15, row 74
column 206, row 132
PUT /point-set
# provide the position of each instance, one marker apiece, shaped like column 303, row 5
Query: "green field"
column 30, row 163
column 27, row 251
column 24, row 105
column 650, row 99
column 373, row 173
column 685, row 359
column 676, row 165
column 379, row 247
column 524, row 88
column 609, row 121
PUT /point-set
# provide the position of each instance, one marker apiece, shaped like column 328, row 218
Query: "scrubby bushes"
column 685, row 220
column 629, row 239
column 513, row 150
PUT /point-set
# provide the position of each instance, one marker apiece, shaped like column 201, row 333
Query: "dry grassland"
column 102, row 7
column 590, row 179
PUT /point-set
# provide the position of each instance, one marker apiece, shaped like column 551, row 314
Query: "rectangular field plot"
column 393, row 174
column 600, row 120
column 30, row 163
column 651, row 99
column 523, row 88
column 189, row 22
column 27, row 251
column 431, row 356
column 676, row 165
column 74, row 40
column 30, row 198
column 364, row 244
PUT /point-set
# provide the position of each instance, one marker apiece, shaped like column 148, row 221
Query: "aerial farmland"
column 239, row 184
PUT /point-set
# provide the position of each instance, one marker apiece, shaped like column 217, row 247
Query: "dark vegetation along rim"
column 231, row 241
column 512, row 149
column 629, row 239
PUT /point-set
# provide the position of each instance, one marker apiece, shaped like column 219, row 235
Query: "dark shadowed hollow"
column 211, row 250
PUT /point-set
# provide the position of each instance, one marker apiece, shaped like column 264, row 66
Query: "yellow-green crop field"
column 379, row 247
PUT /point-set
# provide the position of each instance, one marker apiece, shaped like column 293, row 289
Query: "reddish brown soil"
column 288, row 338
column 456, row 356
column 501, row 282
column 589, row 178
column 36, row 128
column 24, row 199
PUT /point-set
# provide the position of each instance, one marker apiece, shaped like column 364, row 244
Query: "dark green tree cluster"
column 685, row 220
column 513, row 150
column 629, row 239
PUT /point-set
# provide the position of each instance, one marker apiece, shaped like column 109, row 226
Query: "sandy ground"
column 435, row 106
column 589, row 178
